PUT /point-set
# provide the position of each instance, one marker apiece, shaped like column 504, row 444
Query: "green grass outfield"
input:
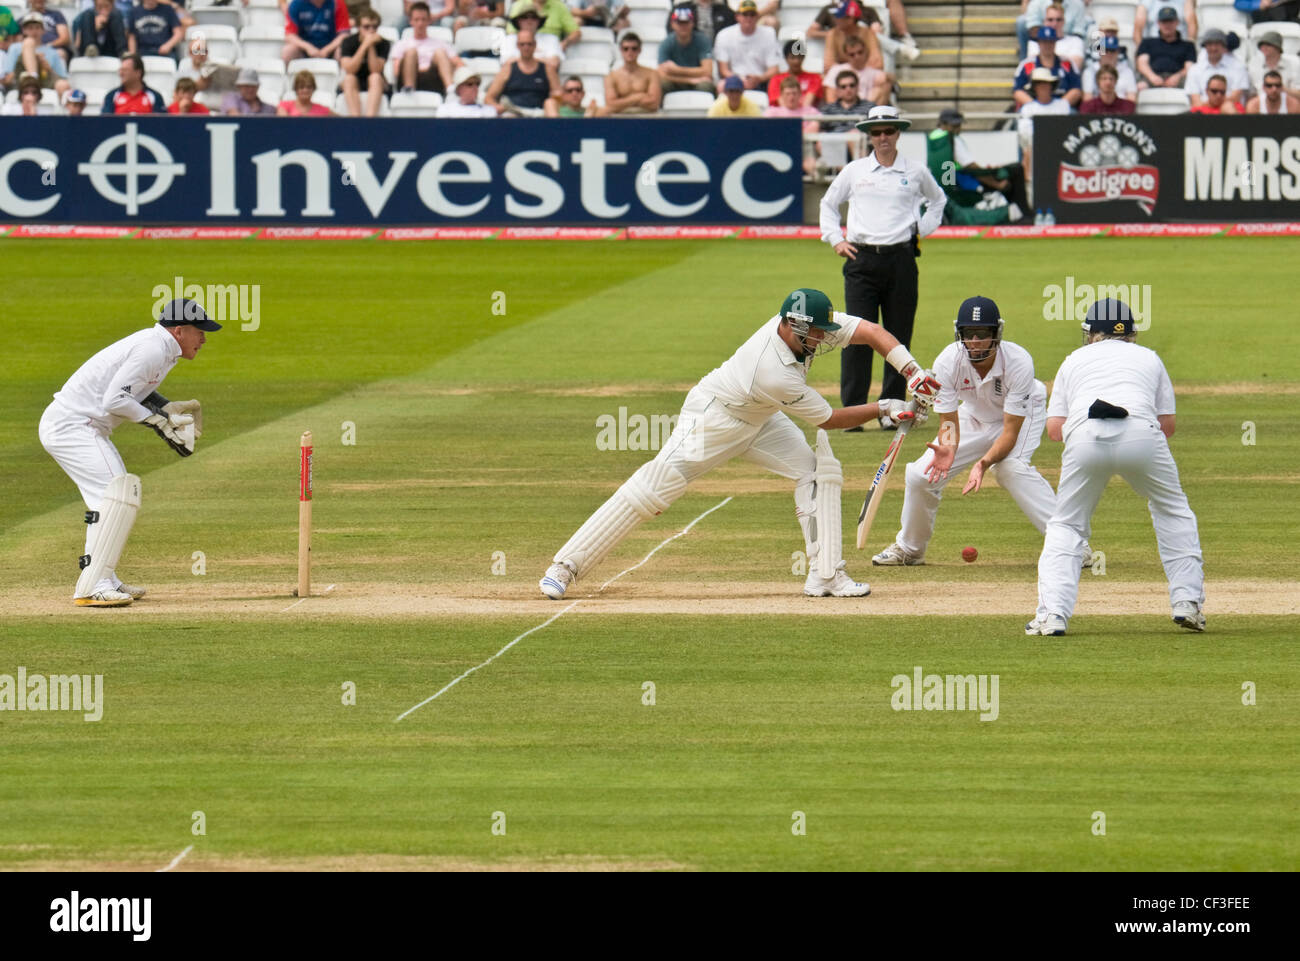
column 476, row 448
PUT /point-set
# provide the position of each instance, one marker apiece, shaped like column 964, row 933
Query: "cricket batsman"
column 742, row 409
column 120, row 383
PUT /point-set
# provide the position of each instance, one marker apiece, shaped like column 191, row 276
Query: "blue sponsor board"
column 216, row 170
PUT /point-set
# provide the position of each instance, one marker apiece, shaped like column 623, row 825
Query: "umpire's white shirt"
column 1116, row 371
column 1009, row 386
column 108, row 388
column 884, row 202
column 764, row 376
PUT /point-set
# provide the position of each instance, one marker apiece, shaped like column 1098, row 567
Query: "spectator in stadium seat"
column 685, row 55
column 183, row 102
column 1067, row 79
column 74, row 103
column 206, row 73
column 591, row 13
column 29, row 99
column 31, row 56
column 966, row 183
column 99, row 31
column 1163, row 61
column 525, row 87
column 463, row 103
column 133, row 96
column 810, row 84
column 8, row 27
column 1070, row 20
column 1107, row 99
column 1274, row 98
column 846, row 102
column 422, row 62
column 1044, row 85
column 1217, row 62
column 557, row 20
column 1288, row 66
column 747, row 50
column 1215, row 100
column 846, row 25
column 572, row 93
column 1126, row 85
column 302, row 105
column 631, row 88
column 710, row 19
column 824, row 24
column 1146, row 19
column 732, row 102
column 361, row 57
column 791, row 105
column 314, row 28
column 876, row 84
column 529, row 20
column 479, row 13
column 154, row 30
column 244, row 101
column 56, row 33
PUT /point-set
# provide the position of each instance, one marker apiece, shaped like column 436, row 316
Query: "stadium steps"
column 968, row 58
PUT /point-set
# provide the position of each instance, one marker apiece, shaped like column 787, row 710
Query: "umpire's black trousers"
column 883, row 278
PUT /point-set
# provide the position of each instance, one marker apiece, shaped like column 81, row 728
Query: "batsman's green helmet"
column 811, row 306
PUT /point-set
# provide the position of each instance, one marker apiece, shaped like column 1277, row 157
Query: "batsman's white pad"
column 830, row 487
column 117, row 513
column 643, row 495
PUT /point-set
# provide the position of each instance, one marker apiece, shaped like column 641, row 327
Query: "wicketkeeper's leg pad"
column 645, row 494
column 830, row 487
column 109, row 528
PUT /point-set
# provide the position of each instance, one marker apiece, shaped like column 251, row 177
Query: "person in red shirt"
column 811, row 90
column 1106, row 101
column 304, row 85
column 1216, row 97
column 133, row 96
column 183, row 101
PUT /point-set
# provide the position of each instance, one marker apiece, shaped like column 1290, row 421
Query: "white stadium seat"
column 477, row 39
column 649, row 26
column 604, row 50
column 325, row 71
column 226, row 16
column 261, row 43
column 687, row 103
column 270, row 72
column 418, row 103
column 271, row 17
column 94, row 73
column 159, row 70
column 758, row 97
column 1158, row 100
column 1227, row 19
column 576, row 65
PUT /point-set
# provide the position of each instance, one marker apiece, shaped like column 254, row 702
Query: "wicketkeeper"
column 742, row 409
column 120, row 384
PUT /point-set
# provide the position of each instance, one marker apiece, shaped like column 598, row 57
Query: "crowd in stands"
column 524, row 58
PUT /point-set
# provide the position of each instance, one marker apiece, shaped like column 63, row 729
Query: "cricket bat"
column 874, row 496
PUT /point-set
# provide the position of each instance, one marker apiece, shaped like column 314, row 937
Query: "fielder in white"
column 992, row 412
column 741, row 410
column 1113, row 403
column 120, row 384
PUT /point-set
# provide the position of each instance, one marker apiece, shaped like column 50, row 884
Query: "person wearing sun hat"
column 1272, row 58
column 879, row 245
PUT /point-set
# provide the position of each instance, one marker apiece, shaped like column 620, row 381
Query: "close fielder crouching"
column 120, row 384
column 741, row 410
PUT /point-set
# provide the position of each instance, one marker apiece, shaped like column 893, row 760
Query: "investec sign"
column 1188, row 167
column 401, row 171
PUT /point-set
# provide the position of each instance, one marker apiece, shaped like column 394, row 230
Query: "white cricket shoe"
column 1051, row 625
column 556, row 581
column 841, row 585
column 135, row 592
column 107, row 597
column 895, row 556
column 1188, row 614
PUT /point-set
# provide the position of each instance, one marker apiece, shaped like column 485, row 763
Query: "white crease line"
column 301, row 599
column 176, row 860
column 556, row 617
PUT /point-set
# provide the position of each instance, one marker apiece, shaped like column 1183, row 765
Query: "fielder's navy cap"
column 184, row 312
column 978, row 312
column 1109, row 316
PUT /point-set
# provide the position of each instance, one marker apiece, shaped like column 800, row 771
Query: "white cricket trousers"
column 1028, row 488
column 707, row 436
column 1138, row 452
column 85, row 453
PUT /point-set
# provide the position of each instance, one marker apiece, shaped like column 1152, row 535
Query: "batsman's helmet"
column 805, row 309
column 978, row 313
column 1110, row 317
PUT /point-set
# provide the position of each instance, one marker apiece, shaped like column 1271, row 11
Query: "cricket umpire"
column 119, row 384
column 885, row 192
column 1113, row 404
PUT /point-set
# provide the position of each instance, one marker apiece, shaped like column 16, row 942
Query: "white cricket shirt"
column 764, row 376
column 1009, row 386
column 108, row 388
column 1126, row 375
column 884, row 202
